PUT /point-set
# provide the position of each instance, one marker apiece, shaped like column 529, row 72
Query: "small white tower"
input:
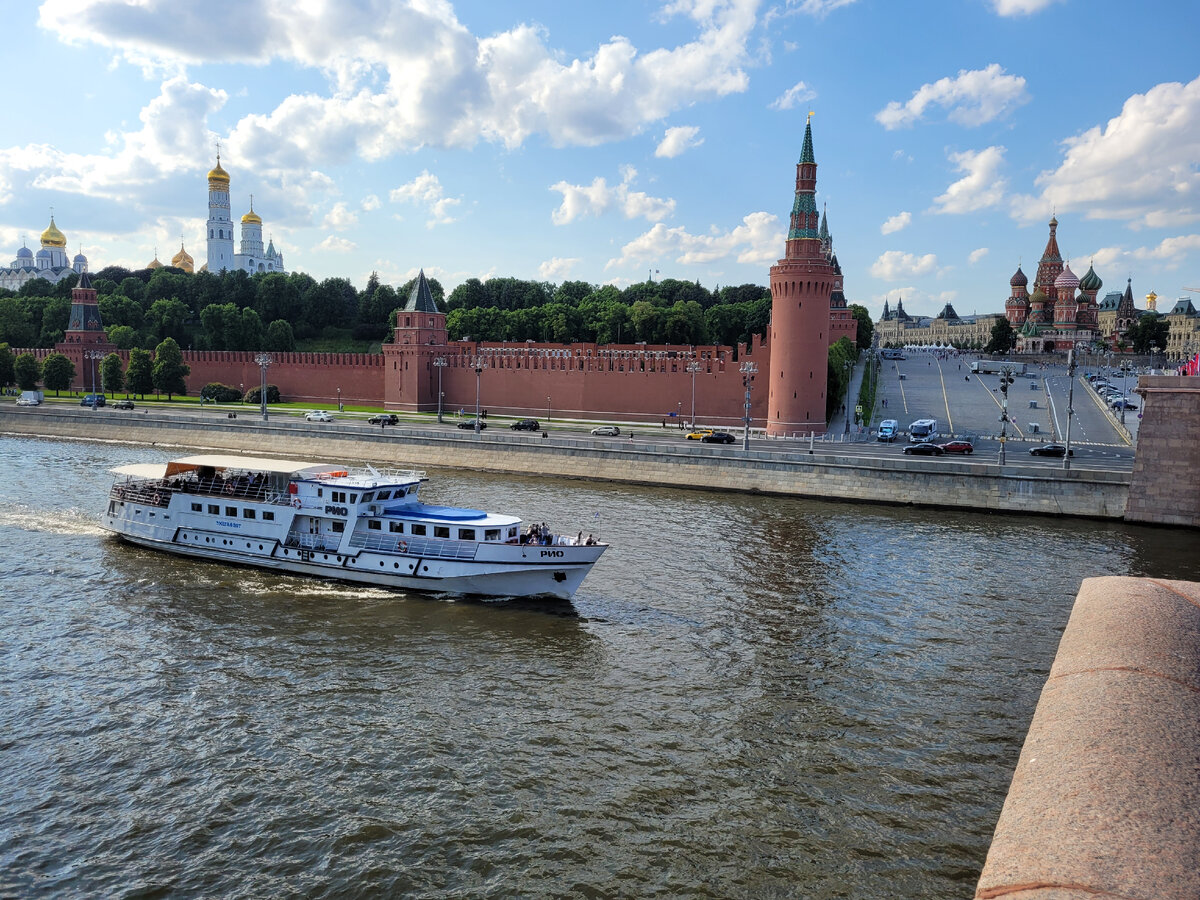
column 220, row 225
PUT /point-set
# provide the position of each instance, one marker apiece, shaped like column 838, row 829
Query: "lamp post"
column 439, row 363
column 693, row 367
column 1070, row 404
column 94, row 355
column 547, row 409
column 1006, row 378
column 1124, row 384
column 263, row 360
column 242, row 391
column 339, row 390
column 748, row 369
column 847, row 366
column 478, row 364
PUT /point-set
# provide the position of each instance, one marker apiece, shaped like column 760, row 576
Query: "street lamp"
column 94, row 355
column 547, row 409
column 1124, row 383
column 339, row 390
column 847, row 366
column 242, row 391
column 1070, row 404
column 479, row 363
column 1006, row 378
column 263, row 360
column 439, row 363
column 747, row 369
column 693, row 367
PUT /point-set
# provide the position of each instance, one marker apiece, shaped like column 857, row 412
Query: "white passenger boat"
column 361, row 525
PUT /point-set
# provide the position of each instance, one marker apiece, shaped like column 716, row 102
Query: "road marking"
column 945, row 398
column 1000, row 406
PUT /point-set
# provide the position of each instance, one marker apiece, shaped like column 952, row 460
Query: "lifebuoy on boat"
column 228, row 488
column 402, row 546
column 296, row 502
column 156, row 498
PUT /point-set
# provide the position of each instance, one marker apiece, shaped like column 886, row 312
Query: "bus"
column 994, row 367
column 887, row 353
column 922, row 430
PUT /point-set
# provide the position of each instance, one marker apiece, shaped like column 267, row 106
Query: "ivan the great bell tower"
column 801, row 285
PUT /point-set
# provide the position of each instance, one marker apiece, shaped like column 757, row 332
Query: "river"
column 749, row 697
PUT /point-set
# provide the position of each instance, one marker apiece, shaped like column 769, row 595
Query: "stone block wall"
column 1165, row 488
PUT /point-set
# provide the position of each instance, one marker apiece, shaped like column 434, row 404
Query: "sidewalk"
column 837, row 421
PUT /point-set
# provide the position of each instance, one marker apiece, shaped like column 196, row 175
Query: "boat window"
column 492, row 534
column 213, row 509
column 466, row 534
column 338, row 496
column 268, row 517
column 374, row 525
column 320, row 492
column 396, row 527
column 196, row 507
column 354, row 498
column 441, row 531
column 248, row 513
column 231, row 511
column 384, row 495
column 368, row 497
column 339, row 527
column 417, row 529
column 512, row 532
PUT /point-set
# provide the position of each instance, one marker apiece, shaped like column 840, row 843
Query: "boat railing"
column 147, row 492
column 310, row 542
column 430, row 548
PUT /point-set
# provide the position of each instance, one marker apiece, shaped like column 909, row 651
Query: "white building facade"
column 50, row 262
column 252, row 257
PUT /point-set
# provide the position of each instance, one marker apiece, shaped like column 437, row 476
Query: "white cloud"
column 426, row 192
column 896, row 223
column 556, row 269
column 818, row 8
column 597, row 198
column 371, row 202
column 894, row 264
column 758, row 240
column 1170, row 253
column 976, row 255
column 402, row 76
column 339, row 218
column 796, row 94
column 677, row 140
column 1139, row 168
column 336, row 244
column 980, row 187
column 1020, row 7
column 972, row 98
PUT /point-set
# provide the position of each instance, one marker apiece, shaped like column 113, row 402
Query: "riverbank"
column 823, row 474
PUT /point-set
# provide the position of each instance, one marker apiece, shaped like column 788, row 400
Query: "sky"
column 619, row 141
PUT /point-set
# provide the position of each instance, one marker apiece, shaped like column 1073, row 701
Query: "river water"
column 748, row 697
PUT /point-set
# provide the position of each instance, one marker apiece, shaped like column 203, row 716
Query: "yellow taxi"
column 700, row 434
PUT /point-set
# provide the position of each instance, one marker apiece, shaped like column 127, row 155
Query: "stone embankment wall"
column 1105, row 800
column 826, row 474
column 1165, row 487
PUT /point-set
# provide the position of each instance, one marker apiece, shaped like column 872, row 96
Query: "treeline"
column 207, row 311
column 658, row 312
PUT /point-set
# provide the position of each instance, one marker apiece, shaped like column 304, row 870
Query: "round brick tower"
column 801, row 284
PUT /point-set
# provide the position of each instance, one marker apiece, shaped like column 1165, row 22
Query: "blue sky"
column 604, row 142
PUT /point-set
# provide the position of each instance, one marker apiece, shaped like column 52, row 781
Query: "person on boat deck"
column 579, row 539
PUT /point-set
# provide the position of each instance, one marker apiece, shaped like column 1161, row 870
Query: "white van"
column 888, row 429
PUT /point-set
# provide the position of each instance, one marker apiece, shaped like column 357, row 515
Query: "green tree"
column 167, row 318
column 1003, row 337
column 280, row 338
column 1149, row 330
column 169, row 370
column 140, row 373
column 57, row 373
column 125, row 337
column 27, row 371
column 17, row 326
column 55, row 314
column 866, row 328
column 251, row 328
column 111, row 375
column 7, row 374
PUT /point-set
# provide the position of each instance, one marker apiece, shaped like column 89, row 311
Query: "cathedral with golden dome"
column 252, row 257
column 50, row 262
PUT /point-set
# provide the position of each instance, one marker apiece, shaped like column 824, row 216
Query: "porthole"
column 396, row 565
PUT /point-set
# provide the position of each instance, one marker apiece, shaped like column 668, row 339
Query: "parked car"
column 384, row 419
column 470, row 424
column 92, row 400
column 1057, row 450
column 526, row 425
column 925, row 448
column 606, row 430
column 1122, row 403
column 122, row 404
column 27, row 401
column 699, row 435
column 718, row 437
column 958, row 447
column 318, row 415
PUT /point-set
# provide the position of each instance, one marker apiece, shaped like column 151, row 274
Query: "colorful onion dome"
column 52, row 237
column 1067, row 280
column 183, row 260
column 218, row 177
column 1038, row 296
column 1018, row 279
column 1090, row 281
column 24, row 253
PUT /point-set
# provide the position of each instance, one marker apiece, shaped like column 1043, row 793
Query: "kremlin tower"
column 801, row 286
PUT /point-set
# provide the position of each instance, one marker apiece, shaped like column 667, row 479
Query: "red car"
column 958, row 447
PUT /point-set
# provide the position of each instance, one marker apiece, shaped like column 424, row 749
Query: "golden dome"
column 251, row 218
column 219, row 175
column 52, row 237
column 182, row 260
column 154, row 263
